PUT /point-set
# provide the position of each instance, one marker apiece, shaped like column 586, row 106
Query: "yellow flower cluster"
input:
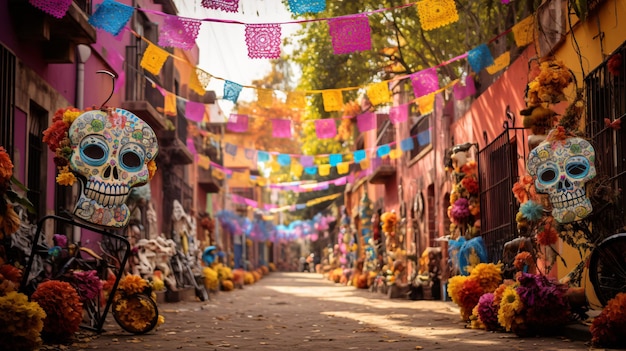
column 21, row 322
column 510, row 308
column 135, row 312
column 224, row 272
column 132, row 284
column 158, row 284
column 211, row 281
column 548, row 86
column 455, row 285
column 488, row 275
column 65, row 177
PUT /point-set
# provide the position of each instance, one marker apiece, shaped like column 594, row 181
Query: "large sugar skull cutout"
column 562, row 168
column 110, row 155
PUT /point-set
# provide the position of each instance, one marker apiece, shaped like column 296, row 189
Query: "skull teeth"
column 106, row 194
column 568, row 199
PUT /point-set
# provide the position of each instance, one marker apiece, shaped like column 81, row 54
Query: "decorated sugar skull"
column 111, row 154
column 561, row 168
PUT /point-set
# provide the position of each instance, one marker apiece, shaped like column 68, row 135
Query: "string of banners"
column 349, row 33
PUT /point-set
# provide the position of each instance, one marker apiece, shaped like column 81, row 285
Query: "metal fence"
column 605, row 94
column 497, row 172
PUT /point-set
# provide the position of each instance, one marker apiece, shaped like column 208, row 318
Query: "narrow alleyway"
column 303, row 311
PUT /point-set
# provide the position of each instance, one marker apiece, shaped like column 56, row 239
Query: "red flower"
column 6, row 166
column 11, row 273
column 470, row 184
column 614, row 64
column 55, row 134
column 547, row 236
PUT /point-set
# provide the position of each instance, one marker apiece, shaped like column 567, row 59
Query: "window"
column 7, row 98
column 420, row 132
column 37, row 123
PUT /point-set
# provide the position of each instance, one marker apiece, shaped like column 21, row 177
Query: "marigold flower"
column 11, row 273
column 6, row 166
column 470, row 184
column 64, row 311
column 607, row 329
column 522, row 259
column 66, row 177
column 55, row 134
column 547, row 236
column 21, row 320
column 132, row 284
column 488, row 275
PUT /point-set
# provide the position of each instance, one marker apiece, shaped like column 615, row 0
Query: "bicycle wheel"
column 137, row 313
column 607, row 267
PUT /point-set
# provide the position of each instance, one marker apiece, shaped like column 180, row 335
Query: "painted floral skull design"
column 561, row 168
column 110, row 155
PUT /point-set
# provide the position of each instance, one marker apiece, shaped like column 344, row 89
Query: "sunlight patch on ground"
column 423, row 332
column 340, row 293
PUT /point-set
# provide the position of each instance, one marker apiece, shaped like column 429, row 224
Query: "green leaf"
column 580, row 8
column 18, row 183
column 17, row 199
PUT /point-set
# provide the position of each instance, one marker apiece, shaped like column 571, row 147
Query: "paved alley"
column 303, row 311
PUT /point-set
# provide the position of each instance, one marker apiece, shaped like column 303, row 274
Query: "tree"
column 399, row 47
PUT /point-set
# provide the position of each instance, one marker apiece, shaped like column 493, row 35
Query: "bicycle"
column 606, row 260
column 61, row 262
column 185, row 277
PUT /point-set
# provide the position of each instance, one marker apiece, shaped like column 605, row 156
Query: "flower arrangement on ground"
column 466, row 291
column 64, row 311
column 211, row 282
column 21, row 322
column 132, row 311
column 607, row 329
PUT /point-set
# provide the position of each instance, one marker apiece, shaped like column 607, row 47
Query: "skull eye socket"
column 577, row 167
column 94, row 150
column 132, row 158
column 548, row 174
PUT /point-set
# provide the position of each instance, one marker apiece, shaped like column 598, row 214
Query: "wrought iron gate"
column 497, row 172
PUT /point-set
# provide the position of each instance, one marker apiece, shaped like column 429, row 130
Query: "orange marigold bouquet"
column 607, row 329
column 64, row 311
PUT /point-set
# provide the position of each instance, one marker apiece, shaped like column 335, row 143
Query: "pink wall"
column 488, row 110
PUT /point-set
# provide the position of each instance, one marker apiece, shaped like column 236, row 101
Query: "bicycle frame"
column 100, row 319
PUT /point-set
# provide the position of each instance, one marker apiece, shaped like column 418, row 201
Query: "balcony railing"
column 57, row 37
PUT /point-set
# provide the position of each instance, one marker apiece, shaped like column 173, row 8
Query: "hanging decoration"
column 436, row 13
column 378, row 93
column 325, row 128
column 281, row 128
column 231, row 91
column 55, row 8
column 263, row 41
column 153, row 59
column 425, row 82
column 480, row 57
column 179, row 32
column 300, row 7
column 350, row 34
column 221, row 5
column 111, row 16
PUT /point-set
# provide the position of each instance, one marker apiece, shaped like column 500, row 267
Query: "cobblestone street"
column 303, row 311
